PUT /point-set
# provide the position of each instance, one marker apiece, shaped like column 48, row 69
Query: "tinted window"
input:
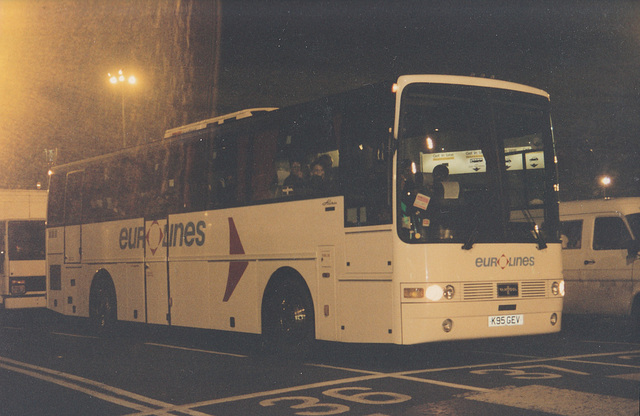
column 610, row 233
column 26, row 240
column 55, row 212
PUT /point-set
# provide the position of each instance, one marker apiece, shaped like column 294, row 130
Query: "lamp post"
column 121, row 79
column 605, row 181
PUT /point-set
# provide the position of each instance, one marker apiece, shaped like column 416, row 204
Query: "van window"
column 610, row 233
column 571, row 234
column 634, row 223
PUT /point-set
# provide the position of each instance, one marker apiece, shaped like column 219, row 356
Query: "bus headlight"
column 434, row 293
column 557, row 288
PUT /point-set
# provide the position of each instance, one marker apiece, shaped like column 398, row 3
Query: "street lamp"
column 120, row 78
column 605, row 181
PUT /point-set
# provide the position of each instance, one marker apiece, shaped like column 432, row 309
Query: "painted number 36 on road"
column 311, row 406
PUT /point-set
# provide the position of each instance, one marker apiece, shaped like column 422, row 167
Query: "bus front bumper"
column 23, row 302
column 428, row 322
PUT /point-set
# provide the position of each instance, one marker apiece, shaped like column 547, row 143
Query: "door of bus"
column 73, row 218
column 156, row 268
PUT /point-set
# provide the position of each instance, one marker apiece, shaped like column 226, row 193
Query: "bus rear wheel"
column 102, row 307
column 287, row 318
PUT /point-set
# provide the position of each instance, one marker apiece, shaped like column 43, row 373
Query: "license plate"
column 506, row 320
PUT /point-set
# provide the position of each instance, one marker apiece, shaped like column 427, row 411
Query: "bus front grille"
column 478, row 291
column 487, row 291
column 535, row 289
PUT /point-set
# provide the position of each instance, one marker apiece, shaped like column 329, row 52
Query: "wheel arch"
column 102, row 276
column 281, row 278
column 278, row 277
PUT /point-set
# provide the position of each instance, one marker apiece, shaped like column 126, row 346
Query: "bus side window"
column 73, row 198
column 224, row 174
column 610, row 233
column 55, row 207
column 263, row 173
column 150, row 197
column 173, row 187
column 196, row 175
column 571, row 234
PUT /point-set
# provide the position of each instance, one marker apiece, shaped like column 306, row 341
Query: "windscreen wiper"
column 468, row 245
column 541, row 243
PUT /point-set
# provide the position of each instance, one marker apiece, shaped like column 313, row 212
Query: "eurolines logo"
column 503, row 261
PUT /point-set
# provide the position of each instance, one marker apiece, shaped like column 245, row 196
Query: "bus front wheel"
column 287, row 317
column 102, row 306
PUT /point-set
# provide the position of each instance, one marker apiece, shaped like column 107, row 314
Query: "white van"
column 600, row 242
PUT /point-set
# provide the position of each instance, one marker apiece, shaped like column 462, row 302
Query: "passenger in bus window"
column 327, row 164
column 318, row 182
column 294, row 184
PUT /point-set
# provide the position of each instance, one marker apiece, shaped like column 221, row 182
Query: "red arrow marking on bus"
column 236, row 268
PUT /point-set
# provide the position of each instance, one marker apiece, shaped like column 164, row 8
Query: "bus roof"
column 203, row 124
column 472, row 81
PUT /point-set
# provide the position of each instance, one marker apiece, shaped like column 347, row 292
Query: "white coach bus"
column 402, row 213
column 22, row 248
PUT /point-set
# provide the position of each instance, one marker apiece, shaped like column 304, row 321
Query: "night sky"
column 198, row 59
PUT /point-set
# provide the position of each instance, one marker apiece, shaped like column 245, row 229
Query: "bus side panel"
column 297, row 235
column 55, row 263
column 243, row 251
column 192, row 293
column 128, row 279
column 366, row 289
column 366, row 311
column 122, row 243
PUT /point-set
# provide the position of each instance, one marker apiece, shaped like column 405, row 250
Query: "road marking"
column 405, row 377
column 64, row 334
column 601, row 363
column 92, row 388
column 631, row 377
column 611, row 342
column 372, row 375
column 558, row 401
column 441, row 383
column 263, row 394
column 175, row 347
column 507, row 363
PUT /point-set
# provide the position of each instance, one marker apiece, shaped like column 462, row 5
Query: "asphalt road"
column 50, row 366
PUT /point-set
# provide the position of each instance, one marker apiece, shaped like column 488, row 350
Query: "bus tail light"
column 17, row 287
column 554, row 319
